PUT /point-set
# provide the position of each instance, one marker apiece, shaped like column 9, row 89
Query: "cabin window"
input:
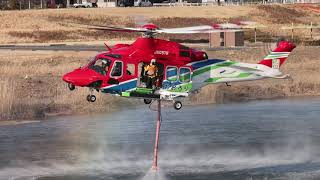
column 184, row 53
column 172, row 73
column 117, row 69
column 184, row 75
column 131, row 69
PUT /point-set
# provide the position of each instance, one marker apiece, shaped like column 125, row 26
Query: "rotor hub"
column 150, row 27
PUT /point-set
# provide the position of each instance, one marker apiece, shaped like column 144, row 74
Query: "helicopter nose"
column 73, row 78
column 68, row 78
column 80, row 77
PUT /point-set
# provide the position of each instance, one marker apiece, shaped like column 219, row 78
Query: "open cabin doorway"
column 143, row 77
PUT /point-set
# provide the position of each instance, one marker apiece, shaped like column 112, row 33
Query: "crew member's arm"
column 156, row 70
column 146, row 68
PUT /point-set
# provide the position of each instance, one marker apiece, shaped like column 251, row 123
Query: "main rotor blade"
column 114, row 28
column 194, row 30
column 227, row 27
column 240, row 25
column 223, row 27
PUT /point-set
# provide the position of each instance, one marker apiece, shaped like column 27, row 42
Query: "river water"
column 277, row 139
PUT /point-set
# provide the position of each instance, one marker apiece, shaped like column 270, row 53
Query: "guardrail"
column 235, row 2
column 183, row 4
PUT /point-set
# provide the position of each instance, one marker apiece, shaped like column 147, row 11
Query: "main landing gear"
column 177, row 105
column 147, row 101
column 91, row 97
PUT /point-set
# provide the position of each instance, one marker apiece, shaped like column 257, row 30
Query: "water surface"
column 278, row 139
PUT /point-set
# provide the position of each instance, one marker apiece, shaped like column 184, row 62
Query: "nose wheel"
column 71, row 87
column 91, row 98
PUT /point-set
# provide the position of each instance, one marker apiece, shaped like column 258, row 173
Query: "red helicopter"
column 123, row 69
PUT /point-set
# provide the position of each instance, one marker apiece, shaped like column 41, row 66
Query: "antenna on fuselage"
column 107, row 47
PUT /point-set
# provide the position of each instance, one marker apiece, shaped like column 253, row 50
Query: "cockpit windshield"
column 101, row 65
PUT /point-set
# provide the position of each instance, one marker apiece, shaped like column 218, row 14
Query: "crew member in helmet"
column 105, row 65
column 151, row 72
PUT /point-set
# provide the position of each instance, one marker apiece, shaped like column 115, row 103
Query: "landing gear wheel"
column 177, row 105
column 91, row 98
column 147, row 101
column 71, row 87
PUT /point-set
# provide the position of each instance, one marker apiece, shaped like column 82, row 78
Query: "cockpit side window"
column 131, row 69
column 117, row 69
column 101, row 65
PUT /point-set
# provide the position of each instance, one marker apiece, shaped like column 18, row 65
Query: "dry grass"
column 7, row 98
column 55, row 25
column 31, row 86
column 279, row 14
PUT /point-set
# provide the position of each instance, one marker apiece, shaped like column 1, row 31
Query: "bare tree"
column 13, row 4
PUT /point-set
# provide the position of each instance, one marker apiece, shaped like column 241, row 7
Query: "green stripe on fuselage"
column 243, row 75
column 185, row 77
column 215, row 79
column 211, row 67
column 212, row 80
column 182, row 87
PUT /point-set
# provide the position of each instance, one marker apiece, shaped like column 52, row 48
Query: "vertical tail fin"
column 279, row 55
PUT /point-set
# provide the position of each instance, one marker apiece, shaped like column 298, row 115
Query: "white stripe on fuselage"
column 259, row 69
column 110, row 86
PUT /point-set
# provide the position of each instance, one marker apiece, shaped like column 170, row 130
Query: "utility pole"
column 311, row 30
column 210, row 40
column 255, row 35
column 292, row 31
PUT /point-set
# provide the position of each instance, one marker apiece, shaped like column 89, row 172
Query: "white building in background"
column 32, row 4
column 106, row 3
column 307, row 1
